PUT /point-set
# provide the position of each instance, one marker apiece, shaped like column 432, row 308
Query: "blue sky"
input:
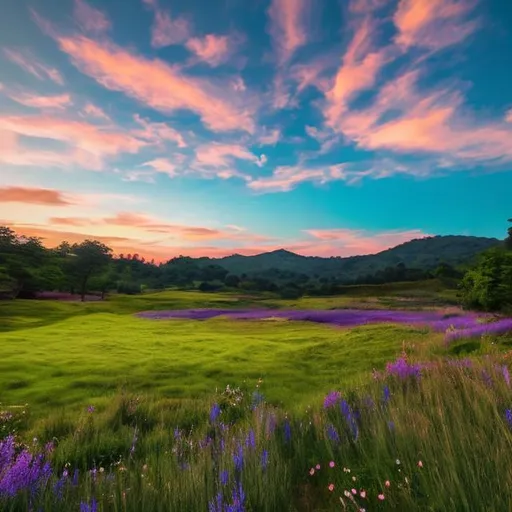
column 166, row 127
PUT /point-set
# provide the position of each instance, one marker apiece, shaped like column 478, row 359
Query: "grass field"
column 111, row 412
column 55, row 354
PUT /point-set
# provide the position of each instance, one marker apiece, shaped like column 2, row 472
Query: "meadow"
column 101, row 409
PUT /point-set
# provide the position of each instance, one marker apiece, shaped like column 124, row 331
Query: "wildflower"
column 398, row 462
column 387, row 483
column 287, row 431
column 238, row 458
column 216, row 504
column 214, row 413
column 264, row 459
column 224, row 478
column 346, row 493
column 91, row 409
column 250, row 441
column 177, row 433
column 420, row 464
column 386, row 395
column 508, row 417
column 362, row 494
column 403, row 369
column 85, row 507
column 381, row 497
column 354, row 479
column 333, row 434
column 312, row 471
column 238, row 499
column 506, row 374
column 331, row 399
column 331, row 487
column 349, row 417
column 332, row 464
column 354, row 492
column 346, row 470
column 317, row 466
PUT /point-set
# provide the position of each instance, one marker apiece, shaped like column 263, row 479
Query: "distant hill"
column 424, row 253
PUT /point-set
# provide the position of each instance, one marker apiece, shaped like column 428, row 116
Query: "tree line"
column 27, row 267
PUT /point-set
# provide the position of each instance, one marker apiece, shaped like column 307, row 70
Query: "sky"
column 332, row 128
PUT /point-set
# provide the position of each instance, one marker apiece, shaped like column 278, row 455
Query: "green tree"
column 87, row 259
column 508, row 240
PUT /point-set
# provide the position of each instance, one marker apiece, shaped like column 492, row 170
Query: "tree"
column 232, row 281
column 87, row 259
column 508, row 240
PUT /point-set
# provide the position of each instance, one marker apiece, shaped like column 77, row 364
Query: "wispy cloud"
column 91, row 110
column 89, row 18
column 157, row 84
column 433, row 23
column 32, row 65
column 55, row 102
column 288, row 26
column 166, row 30
column 212, row 49
column 29, row 195
column 157, row 133
column 162, row 165
column 223, row 155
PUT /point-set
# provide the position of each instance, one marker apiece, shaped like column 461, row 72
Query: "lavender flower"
column 506, row 375
column 403, row 369
column 238, row 458
column 238, row 497
column 508, row 417
column 224, row 477
column 386, row 395
column 264, row 459
column 332, row 433
column 331, row 399
column 86, row 507
column 216, row 505
column 214, row 413
column 287, row 430
column 349, row 418
column 90, row 409
column 250, row 441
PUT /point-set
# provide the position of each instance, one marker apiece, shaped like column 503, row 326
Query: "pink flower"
column 381, row 497
column 354, row 492
column 331, row 487
column 312, row 471
column 362, row 494
column 420, row 464
column 387, row 483
column 331, row 464
column 318, row 466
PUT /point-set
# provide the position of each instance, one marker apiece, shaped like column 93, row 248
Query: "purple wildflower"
column 331, row 399
column 287, row 430
column 224, row 477
column 348, row 414
column 177, row 433
column 506, row 374
column 86, row 507
column 76, row 474
column 332, row 433
column 238, row 458
column 403, row 369
column 216, row 504
column 134, row 442
column 214, row 413
column 386, row 395
column 508, row 417
column 257, row 399
column 264, row 459
column 238, row 497
column 250, row 441
column 91, row 409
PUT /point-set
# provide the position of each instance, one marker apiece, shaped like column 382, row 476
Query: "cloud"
column 212, row 49
column 288, row 26
column 162, row 165
column 269, row 137
column 89, row 144
column 30, row 64
column 156, row 83
column 94, row 111
column 90, row 19
column 433, row 24
column 508, row 116
column 158, row 132
column 167, row 31
column 285, row 178
column 27, row 195
column 348, row 242
column 431, row 122
column 223, row 155
column 56, row 102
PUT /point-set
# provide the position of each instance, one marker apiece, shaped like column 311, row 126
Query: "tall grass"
column 432, row 436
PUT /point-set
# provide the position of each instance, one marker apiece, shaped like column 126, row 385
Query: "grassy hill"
column 425, row 254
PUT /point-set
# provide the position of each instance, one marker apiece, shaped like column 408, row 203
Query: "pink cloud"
column 269, row 137
column 94, row 111
column 167, row 31
column 57, row 102
column 212, row 49
column 162, row 165
column 90, row 144
column 222, row 155
column 31, row 195
column 366, row 6
column 348, row 242
column 508, row 116
column 288, row 26
column 158, row 132
column 433, row 23
column 30, row 64
column 432, row 123
column 285, row 178
column 90, row 19
column 156, row 83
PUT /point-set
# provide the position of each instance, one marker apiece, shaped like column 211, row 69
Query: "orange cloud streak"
column 27, row 195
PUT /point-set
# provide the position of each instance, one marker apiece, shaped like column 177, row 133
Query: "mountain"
column 424, row 253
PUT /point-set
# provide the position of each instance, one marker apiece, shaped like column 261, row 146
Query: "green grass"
column 69, row 354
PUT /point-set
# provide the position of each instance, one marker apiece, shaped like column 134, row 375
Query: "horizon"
column 166, row 128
